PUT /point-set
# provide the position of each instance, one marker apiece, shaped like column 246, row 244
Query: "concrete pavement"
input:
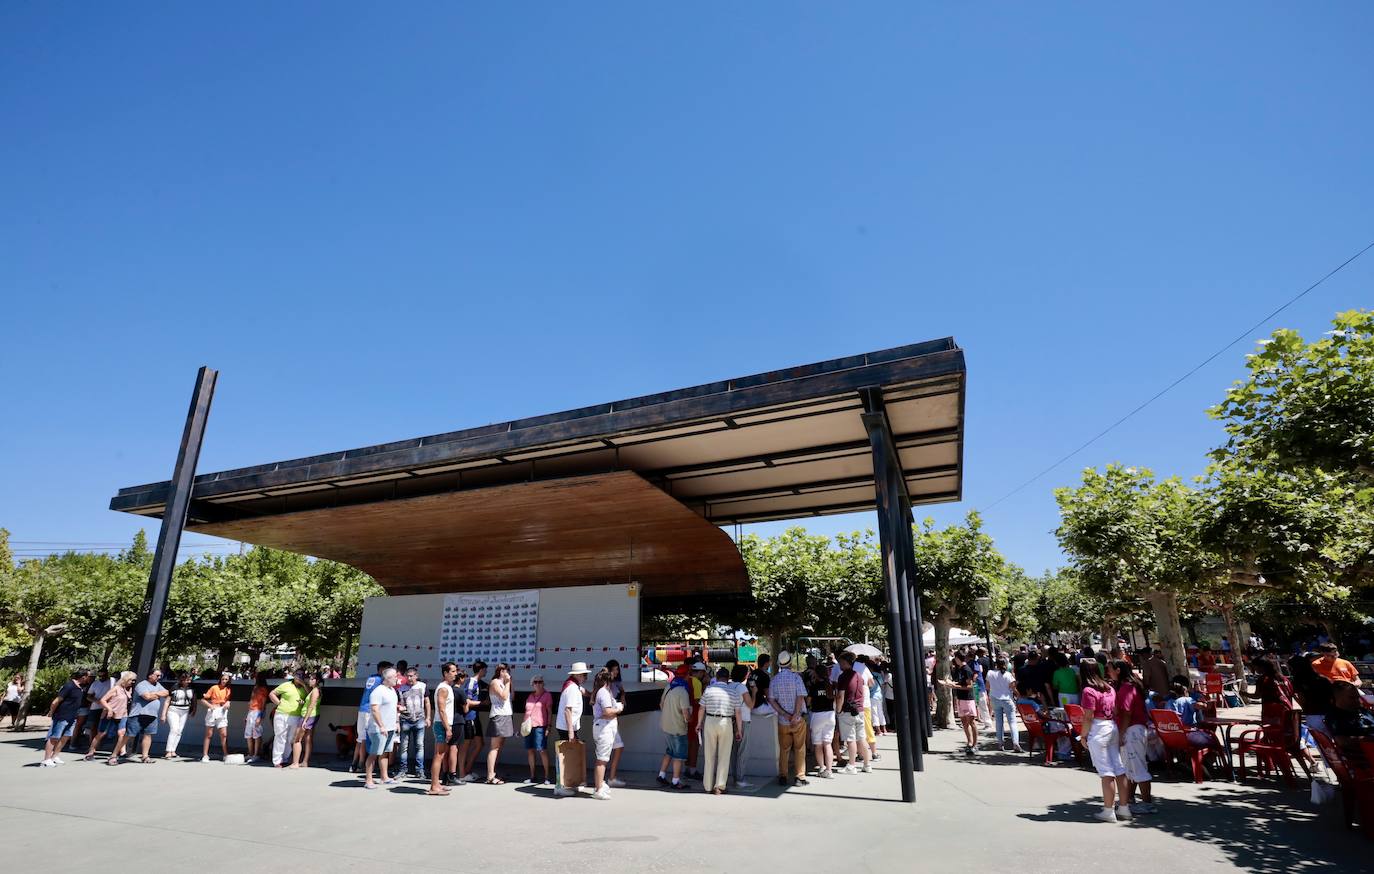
column 999, row 811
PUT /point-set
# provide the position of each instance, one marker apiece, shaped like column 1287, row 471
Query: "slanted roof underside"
column 779, row 445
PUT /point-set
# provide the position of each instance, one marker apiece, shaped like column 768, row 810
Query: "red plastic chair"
column 1214, row 687
column 1270, row 743
column 1047, row 732
column 1345, row 778
column 1078, row 742
column 1178, row 746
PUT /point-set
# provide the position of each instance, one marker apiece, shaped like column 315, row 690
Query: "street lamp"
column 984, row 608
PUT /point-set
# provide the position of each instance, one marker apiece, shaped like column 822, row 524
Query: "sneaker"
column 548, row 782
column 57, row 760
column 1123, row 813
column 824, row 774
column 801, row 781
column 661, row 780
column 867, row 768
column 47, row 763
column 682, row 785
column 601, row 794
column 205, row 758
column 564, row 792
column 743, row 784
column 1145, row 807
column 1105, row 815
column 848, row 769
column 616, row 783
column 875, row 757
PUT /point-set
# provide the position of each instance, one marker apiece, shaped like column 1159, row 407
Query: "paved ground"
column 997, row 812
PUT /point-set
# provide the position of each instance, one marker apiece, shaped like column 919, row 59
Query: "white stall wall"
column 577, row 623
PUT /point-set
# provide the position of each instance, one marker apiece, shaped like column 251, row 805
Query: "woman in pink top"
column 1103, row 740
column 539, row 713
column 114, row 706
column 1132, row 723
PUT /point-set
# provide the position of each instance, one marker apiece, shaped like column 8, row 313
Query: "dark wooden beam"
column 173, row 520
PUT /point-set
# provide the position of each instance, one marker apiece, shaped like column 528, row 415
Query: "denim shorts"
column 140, row 725
column 62, row 728
column 537, row 739
column 676, row 747
column 379, row 743
column 111, row 725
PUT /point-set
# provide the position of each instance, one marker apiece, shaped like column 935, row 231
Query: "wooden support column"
column 889, row 505
column 173, row 521
column 921, row 713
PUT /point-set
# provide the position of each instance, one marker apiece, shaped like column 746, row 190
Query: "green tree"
column 1307, row 405
column 954, row 566
column 35, row 600
column 1131, row 538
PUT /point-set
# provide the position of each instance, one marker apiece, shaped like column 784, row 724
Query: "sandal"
column 495, row 781
column 113, row 762
column 438, row 792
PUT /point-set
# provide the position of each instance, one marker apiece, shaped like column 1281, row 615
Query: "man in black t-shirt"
column 62, row 712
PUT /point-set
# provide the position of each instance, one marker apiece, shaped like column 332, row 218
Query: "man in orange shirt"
column 1332, row 667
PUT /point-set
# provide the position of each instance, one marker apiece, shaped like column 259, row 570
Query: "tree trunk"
column 1165, row 606
column 942, row 622
column 1192, row 632
column 109, row 654
column 1228, row 614
column 224, row 658
column 29, row 676
column 347, row 653
column 1108, row 632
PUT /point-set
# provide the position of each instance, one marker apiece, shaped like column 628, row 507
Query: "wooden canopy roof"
column 634, row 489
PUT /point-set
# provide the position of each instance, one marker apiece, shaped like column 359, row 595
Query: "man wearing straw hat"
column 569, row 718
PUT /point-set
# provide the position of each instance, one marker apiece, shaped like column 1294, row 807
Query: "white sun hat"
column 579, row 668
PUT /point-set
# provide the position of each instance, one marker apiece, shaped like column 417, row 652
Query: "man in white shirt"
column 569, row 718
column 744, row 701
column 381, row 728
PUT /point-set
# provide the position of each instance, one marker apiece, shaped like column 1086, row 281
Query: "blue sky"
column 380, row 222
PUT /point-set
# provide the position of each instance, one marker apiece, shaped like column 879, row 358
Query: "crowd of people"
column 1118, row 693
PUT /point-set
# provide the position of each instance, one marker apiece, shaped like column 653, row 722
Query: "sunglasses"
column 538, row 682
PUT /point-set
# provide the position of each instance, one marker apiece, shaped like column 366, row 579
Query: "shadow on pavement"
column 1258, row 831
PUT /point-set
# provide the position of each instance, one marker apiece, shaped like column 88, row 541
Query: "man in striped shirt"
column 787, row 697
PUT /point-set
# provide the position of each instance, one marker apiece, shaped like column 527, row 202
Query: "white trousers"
column 283, row 733
column 176, row 721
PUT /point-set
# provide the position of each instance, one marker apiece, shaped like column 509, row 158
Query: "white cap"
column 698, row 666
column 784, row 658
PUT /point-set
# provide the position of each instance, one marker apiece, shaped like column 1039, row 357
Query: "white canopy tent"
column 957, row 637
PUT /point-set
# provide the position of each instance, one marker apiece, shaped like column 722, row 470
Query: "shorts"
column 676, row 747
column 470, row 729
column 11, row 708
column 1134, row 754
column 217, row 717
column 62, row 728
column 606, row 734
column 500, row 726
column 441, row 736
column 1105, row 749
column 537, row 739
column 364, row 720
column 380, row 743
column 965, row 708
column 84, row 711
column 822, row 727
column 308, row 723
column 851, row 726
column 141, row 725
column 112, row 725
column 252, row 726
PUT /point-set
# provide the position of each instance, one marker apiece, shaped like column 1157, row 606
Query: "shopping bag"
column 1323, row 792
column 572, row 762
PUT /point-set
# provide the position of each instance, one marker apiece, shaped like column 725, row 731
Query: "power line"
column 1206, row 361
